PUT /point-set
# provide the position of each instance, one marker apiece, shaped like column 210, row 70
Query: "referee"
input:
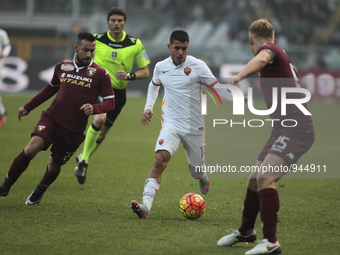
column 115, row 51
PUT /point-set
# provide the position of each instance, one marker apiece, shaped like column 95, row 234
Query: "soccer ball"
column 192, row 206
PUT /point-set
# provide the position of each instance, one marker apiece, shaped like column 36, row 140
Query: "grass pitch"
column 95, row 218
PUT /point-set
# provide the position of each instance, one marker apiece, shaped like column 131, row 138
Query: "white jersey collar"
column 82, row 67
column 186, row 60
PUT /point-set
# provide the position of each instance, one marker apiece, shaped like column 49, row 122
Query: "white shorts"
column 170, row 139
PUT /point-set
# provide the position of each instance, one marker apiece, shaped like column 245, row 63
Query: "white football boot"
column 265, row 247
column 140, row 209
column 236, row 237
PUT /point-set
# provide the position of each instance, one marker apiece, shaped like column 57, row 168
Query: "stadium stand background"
column 40, row 30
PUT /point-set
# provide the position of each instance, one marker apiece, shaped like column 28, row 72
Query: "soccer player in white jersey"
column 182, row 121
column 5, row 48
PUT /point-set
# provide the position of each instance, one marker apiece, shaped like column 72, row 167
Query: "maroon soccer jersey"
column 277, row 74
column 77, row 86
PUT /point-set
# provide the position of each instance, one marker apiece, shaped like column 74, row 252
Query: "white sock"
column 2, row 108
column 150, row 189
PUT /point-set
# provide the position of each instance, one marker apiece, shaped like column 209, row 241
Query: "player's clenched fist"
column 146, row 116
column 87, row 108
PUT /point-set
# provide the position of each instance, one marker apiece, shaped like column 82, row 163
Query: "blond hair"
column 262, row 28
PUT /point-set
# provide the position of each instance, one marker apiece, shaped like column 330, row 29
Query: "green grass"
column 95, row 218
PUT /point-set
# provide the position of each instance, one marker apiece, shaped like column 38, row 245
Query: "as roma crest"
column 161, row 141
column 91, row 71
column 187, row 70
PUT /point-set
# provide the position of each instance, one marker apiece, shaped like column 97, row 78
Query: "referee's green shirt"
column 115, row 55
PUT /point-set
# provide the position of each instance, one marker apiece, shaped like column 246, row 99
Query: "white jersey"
column 5, row 46
column 181, row 105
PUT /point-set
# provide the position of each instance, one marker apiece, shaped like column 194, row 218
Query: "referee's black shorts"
column 120, row 98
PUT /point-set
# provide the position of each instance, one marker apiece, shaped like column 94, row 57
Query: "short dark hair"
column 84, row 35
column 117, row 11
column 179, row 35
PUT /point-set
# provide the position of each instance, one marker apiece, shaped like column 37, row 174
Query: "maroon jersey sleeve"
column 106, row 91
column 46, row 93
column 280, row 67
column 55, row 79
column 105, row 86
column 107, row 106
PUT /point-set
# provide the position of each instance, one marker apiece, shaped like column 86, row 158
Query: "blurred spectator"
column 306, row 31
column 319, row 64
column 297, row 21
column 294, row 28
column 234, row 20
column 208, row 10
column 5, row 49
column 76, row 28
column 180, row 13
column 162, row 5
column 334, row 38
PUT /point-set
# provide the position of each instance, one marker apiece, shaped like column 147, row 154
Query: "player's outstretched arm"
column 46, row 93
column 150, row 101
column 22, row 112
column 255, row 64
column 146, row 116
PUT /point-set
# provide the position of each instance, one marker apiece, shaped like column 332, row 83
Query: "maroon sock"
column 19, row 165
column 269, row 209
column 48, row 179
column 250, row 210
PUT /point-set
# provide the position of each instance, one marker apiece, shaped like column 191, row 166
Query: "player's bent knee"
column 252, row 184
column 161, row 160
column 54, row 169
column 52, row 166
column 160, row 163
column 98, row 123
column 31, row 151
column 34, row 146
column 265, row 183
column 103, row 132
column 99, row 120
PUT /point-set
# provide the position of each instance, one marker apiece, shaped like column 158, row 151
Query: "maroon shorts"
column 65, row 142
column 287, row 144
